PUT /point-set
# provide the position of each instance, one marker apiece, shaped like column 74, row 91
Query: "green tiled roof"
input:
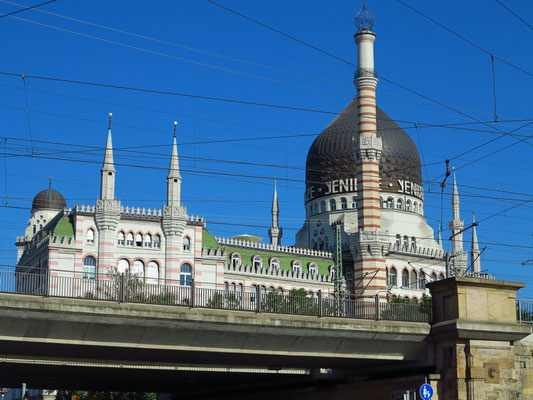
column 63, row 228
column 285, row 259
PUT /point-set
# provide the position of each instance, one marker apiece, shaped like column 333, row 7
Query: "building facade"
column 362, row 172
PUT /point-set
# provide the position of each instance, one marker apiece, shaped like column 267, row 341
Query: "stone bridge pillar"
column 475, row 335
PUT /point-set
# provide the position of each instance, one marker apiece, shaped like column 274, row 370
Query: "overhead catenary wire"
column 515, row 14
column 27, row 8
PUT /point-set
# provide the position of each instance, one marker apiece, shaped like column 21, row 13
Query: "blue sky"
column 410, row 50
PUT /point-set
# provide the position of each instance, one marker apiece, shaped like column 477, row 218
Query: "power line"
column 27, row 8
column 515, row 14
column 464, row 38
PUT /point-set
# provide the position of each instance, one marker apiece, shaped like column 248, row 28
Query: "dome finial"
column 109, row 125
column 364, row 20
column 175, row 126
column 50, row 184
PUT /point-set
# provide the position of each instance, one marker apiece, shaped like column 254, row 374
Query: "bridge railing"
column 524, row 311
column 134, row 289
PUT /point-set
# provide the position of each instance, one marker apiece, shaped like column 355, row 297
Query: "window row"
column 274, row 263
column 411, row 280
column 407, row 244
column 399, row 204
column 138, row 240
column 332, row 205
column 150, row 272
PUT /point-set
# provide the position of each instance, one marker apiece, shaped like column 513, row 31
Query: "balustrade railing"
column 524, row 311
column 134, row 289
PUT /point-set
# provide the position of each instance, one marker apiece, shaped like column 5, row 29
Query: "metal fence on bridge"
column 134, row 289
column 524, row 311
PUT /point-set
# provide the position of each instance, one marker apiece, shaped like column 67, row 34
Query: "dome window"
column 332, row 205
column 408, row 205
column 323, row 206
column 390, row 202
column 274, row 264
column 258, row 262
column 399, row 204
column 344, row 203
column 354, row 202
column 415, row 207
column 313, row 268
column 315, row 208
column 235, row 260
column 296, row 267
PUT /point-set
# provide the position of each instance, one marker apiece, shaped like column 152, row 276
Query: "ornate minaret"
column 107, row 213
column 174, row 177
column 174, row 218
column 368, row 244
column 275, row 232
column 475, row 254
column 440, row 234
column 459, row 257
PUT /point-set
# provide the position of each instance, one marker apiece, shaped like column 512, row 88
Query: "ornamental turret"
column 174, row 177
column 459, row 256
column 475, row 254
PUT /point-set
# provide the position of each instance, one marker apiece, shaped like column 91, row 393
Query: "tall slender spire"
column 460, row 257
column 107, row 184
column 475, row 259
column 174, row 177
column 275, row 232
column 455, row 198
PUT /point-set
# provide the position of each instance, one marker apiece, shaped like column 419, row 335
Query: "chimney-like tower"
column 369, row 242
column 275, row 232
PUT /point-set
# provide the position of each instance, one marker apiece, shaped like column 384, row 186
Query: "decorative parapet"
column 269, row 247
column 479, row 275
column 278, row 273
column 147, row 212
column 213, row 252
column 417, row 250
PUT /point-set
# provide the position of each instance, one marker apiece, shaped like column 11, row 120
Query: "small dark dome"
column 49, row 199
column 331, row 156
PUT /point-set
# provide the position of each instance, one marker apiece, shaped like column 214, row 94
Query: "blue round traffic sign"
column 426, row 391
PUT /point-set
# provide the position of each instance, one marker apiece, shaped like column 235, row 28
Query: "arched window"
column 332, row 205
column 185, row 274
column 240, row 290
column 157, row 242
column 257, row 261
column 399, row 204
column 152, row 273
column 344, row 203
column 296, row 267
column 274, row 264
column 186, row 243
column 422, row 280
column 129, row 239
column 354, row 202
column 90, row 236
column 441, row 277
column 405, row 243
column 121, row 239
column 226, row 289
column 392, row 277
column 263, row 291
column 421, row 209
column 390, row 202
column 414, row 279
column 138, row 268
column 413, row 243
column 148, row 240
column 235, row 260
column 433, row 277
column 415, row 207
column 398, row 242
column 89, row 268
column 139, row 240
column 323, row 206
column 405, row 278
column 408, row 205
column 315, row 208
column 310, row 294
column 233, row 288
column 313, row 268
column 123, row 266
column 280, row 290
